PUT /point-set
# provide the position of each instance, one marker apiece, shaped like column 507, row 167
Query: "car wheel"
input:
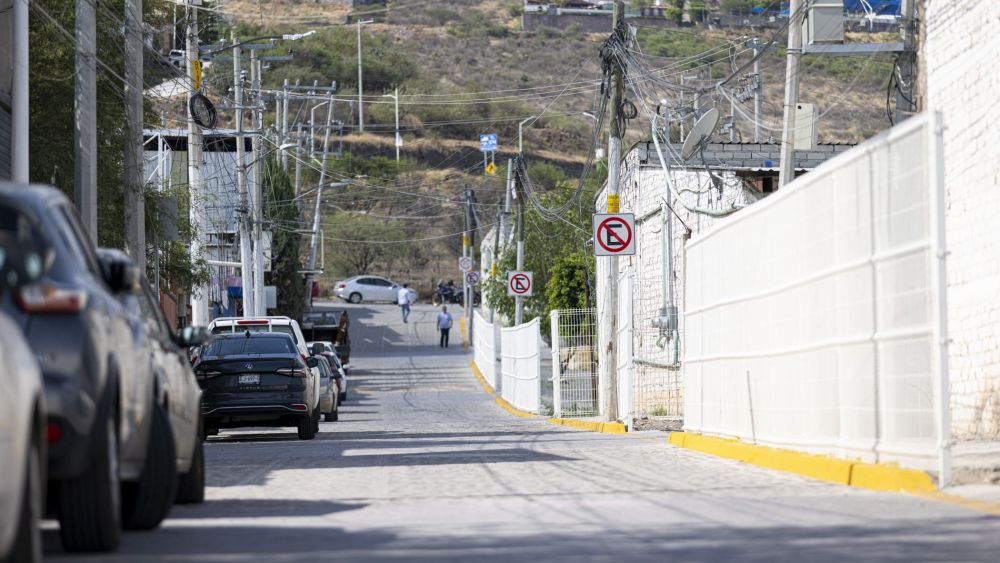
column 90, row 505
column 307, row 428
column 191, row 485
column 336, row 412
column 343, row 397
column 146, row 503
column 316, row 417
column 28, row 539
column 355, row 298
column 329, row 417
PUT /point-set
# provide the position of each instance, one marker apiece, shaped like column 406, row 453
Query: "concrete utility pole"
column 607, row 332
column 758, row 93
column 905, row 89
column 518, row 300
column 85, row 124
column 470, row 198
column 284, row 127
column 135, row 204
column 19, row 95
column 361, row 102
column 199, row 294
column 787, row 171
column 243, row 222
column 258, row 191
column 319, row 199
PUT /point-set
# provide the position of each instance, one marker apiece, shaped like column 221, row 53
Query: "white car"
column 327, row 350
column 223, row 325
column 22, row 417
column 370, row 288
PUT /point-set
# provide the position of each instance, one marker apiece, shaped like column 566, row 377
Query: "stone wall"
column 961, row 56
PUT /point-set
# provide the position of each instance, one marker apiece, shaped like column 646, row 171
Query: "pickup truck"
column 332, row 326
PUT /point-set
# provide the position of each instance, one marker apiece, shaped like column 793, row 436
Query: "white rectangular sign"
column 519, row 284
column 614, row 234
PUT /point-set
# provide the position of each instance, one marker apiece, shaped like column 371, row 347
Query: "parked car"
column 330, row 326
column 102, row 425
column 370, row 288
column 326, row 350
column 175, row 388
column 22, row 408
column 258, row 379
column 177, row 58
column 229, row 325
column 329, row 391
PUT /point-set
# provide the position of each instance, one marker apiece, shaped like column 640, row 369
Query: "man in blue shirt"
column 444, row 325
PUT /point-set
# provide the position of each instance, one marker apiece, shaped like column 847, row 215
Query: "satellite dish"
column 700, row 133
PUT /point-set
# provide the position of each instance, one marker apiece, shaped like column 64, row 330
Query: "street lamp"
column 520, row 146
column 395, row 97
column 599, row 151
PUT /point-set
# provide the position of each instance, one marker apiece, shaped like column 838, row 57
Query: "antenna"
column 700, row 133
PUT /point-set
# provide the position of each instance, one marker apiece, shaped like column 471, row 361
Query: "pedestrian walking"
column 404, row 299
column 444, row 325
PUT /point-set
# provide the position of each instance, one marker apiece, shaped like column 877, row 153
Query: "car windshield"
column 249, row 345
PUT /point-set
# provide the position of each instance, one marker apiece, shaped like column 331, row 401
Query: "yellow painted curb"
column 480, row 378
column 512, row 409
column 593, row 426
column 977, row 505
column 879, row 477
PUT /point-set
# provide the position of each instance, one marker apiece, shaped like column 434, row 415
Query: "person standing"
column 444, row 325
column 404, row 300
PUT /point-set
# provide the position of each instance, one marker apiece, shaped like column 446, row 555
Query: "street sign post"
column 614, row 234
column 519, row 284
column 472, row 278
column 465, row 263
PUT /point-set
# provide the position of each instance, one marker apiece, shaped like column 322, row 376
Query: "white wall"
column 961, row 57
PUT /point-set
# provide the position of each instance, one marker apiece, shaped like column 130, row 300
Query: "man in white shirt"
column 444, row 325
column 403, row 299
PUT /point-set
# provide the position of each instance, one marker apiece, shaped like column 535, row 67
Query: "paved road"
column 424, row 466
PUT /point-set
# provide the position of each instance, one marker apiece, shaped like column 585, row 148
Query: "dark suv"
column 257, row 379
column 98, row 390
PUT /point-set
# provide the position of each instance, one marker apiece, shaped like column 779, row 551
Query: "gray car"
column 329, row 391
column 22, row 414
column 101, row 421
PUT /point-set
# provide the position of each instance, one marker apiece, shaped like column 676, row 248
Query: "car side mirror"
column 318, row 349
column 191, row 336
column 119, row 272
column 312, row 362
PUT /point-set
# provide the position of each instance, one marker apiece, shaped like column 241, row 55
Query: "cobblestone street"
column 423, row 465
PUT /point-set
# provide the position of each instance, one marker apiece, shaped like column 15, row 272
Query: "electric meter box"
column 824, row 22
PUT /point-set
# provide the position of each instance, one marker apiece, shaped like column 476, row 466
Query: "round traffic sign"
column 472, row 278
column 520, row 284
column 614, row 234
column 465, row 263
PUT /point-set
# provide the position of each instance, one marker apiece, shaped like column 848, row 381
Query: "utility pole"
column 284, row 127
column 298, row 162
column 243, row 220
column 607, row 332
column 199, row 294
column 85, row 122
column 319, row 199
column 518, row 300
column 787, row 171
column 258, row 191
column 758, row 93
column 465, row 252
column 361, row 102
column 905, row 90
column 135, row 204
column 470, row 201
column 19, row 101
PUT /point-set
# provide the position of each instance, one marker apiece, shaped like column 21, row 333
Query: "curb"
column 873, row 476
column 603, row 427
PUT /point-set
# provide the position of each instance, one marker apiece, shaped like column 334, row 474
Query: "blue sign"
column 488, row 143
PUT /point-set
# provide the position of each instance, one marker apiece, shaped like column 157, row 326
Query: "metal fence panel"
column 574, row 362
column 812, row 317
column 623, row 357
column 484, row 348
column 520, row 366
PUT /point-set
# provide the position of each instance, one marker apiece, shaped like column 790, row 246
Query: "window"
column 81, row 242
column 380, row 282
column 249, row 345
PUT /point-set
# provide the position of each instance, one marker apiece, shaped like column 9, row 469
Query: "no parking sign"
column 519, row 284
column 614, row 234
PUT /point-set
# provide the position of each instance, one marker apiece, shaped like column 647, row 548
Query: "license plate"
column 250, row 379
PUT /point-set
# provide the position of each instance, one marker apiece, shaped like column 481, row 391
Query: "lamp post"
column 520, row 145
column 395, row 98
